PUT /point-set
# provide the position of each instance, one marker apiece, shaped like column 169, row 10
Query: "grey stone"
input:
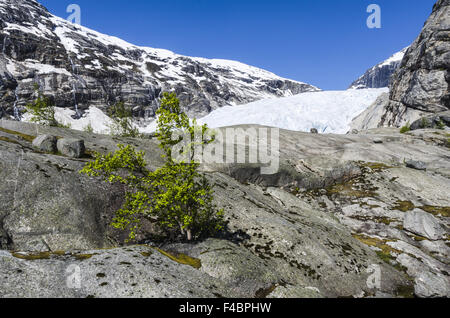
column 438, row 249
column 432, row 285
column 378, row 141
column 73, row 148
column 45, row 143
column 424, row 224
column 314, row 131
column 371, row 117
column 418, row 165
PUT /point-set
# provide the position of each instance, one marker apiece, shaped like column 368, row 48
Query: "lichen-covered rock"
column 46, row 204
column 45, row 143
column 73, row 148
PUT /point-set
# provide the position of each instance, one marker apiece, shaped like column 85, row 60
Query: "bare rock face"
column 420, row 86
column 77, row 68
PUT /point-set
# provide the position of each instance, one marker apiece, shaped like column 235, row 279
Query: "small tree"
column 176, row 196
column 122, row 124
column 42, row 110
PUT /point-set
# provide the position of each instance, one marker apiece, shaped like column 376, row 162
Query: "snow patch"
column 94, row 117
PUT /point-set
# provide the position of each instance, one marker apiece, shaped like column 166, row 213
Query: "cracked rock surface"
column 332, row 218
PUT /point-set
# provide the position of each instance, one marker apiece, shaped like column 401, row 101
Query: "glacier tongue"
column 327, row 111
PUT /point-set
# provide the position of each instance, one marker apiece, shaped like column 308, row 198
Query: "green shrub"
column 440, row 125
column 176, row 196
column 405, row 128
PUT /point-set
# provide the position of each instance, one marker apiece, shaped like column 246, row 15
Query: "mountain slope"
column 380, row 75
column 79, row 67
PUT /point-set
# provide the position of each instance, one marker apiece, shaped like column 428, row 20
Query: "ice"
column 327, row 111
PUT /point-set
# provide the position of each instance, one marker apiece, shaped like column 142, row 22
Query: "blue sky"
column 322, row 42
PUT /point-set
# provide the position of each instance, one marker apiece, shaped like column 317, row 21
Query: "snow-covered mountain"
column 81, row 68
column 380, row 75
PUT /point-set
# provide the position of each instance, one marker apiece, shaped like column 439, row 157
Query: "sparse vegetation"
column 405, row 128
column 88, row 128
column 424, row 123
column 440, row 125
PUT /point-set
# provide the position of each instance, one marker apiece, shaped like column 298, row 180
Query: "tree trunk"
column 189, row 235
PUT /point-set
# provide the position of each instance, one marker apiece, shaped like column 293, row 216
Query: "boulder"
column 424, row 224
column 45, row 143
column 378, row 141
column 431, row 285
column 73, row 148
column 314, row 131
column 437, row 121
column 418, row 165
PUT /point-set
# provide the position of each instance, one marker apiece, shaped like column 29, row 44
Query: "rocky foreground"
column 363, row 215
